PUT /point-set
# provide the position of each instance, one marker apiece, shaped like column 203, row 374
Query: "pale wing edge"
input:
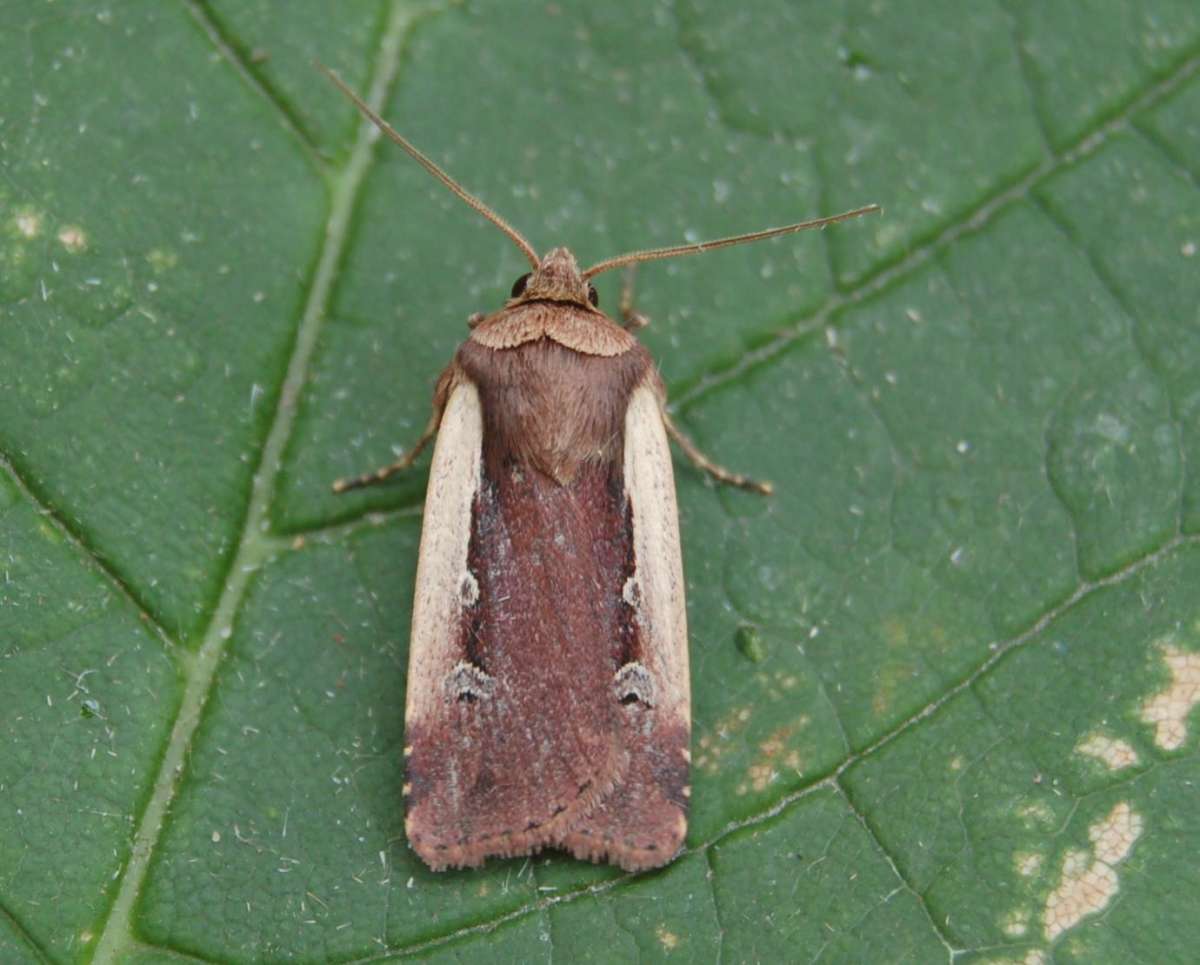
column 659, row 593
column 444, row 583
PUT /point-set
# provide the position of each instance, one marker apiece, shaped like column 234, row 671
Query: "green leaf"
column 944, row 679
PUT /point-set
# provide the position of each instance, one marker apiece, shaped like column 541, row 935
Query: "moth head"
column 556, row 278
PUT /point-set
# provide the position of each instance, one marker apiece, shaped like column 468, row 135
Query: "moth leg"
column 440, row 395
column 631, row 318
column 717, row 471
column 383, row 473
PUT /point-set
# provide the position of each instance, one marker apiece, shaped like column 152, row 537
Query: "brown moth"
column 548, row 696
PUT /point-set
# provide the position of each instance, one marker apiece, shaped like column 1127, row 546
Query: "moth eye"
column 593, row 295
column 519, row 284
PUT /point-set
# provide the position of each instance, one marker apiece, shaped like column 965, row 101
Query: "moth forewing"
column 444, row 583
column 548, row 697
column 657, row 587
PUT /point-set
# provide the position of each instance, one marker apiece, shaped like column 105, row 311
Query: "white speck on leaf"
column 1111, row 428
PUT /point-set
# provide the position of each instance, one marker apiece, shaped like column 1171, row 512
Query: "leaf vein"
column 971, row 222
column 1025, row 66
column 1167, row 151
column 710, row 876
column 233, row 52
column 89, row 556
column 1136, row 337
column 894, row 865
column 255, row 545
column 11, row 920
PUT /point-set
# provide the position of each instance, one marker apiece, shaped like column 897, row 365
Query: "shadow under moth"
column 548, row 697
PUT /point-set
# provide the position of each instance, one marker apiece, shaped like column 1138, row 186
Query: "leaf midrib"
column 256, row 544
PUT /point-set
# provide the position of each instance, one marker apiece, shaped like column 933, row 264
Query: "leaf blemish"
column 1089, row 879
column 73, row 239
column 160, row 259
column 1037, row 816
column 1168, row 710
column 715, row 743
column 1027, row 863
column 774, row 752
column 1016, row 924
column 1113, row 752
column 29, row 224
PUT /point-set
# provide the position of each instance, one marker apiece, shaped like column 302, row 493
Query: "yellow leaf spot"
column 73, row 238
column 1089, row 880
column 1027, row 863
column 1113, row 837
column 160, row 259
column 1016, row 924
column 1036, row 814
column 1168, row 710
column 29, row 224
column 668, row 939
column 1112, row 752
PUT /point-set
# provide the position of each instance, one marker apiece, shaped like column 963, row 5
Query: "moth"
column 548, row 695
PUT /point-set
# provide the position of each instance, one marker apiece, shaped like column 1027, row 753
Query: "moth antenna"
column 428, row 165
column 654, row 254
